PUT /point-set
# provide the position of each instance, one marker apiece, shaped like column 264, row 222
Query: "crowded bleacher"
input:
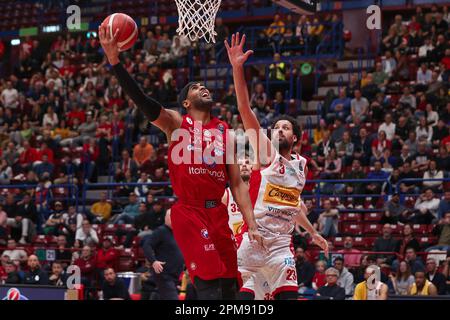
column 83, row 173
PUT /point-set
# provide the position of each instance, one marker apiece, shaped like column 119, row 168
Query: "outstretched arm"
column 303, row 221
column 240, row 192
column 262, row 146
column 165, row 119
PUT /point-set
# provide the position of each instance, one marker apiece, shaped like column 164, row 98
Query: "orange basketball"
column 128, row 30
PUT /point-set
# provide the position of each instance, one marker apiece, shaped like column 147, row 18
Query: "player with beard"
column 199, row 174
column 277, row 180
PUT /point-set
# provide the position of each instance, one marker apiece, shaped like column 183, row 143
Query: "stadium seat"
column 373, row 216
column 359, row 243
column 352, row 229
column 369, row 242
column 40, row 240
column 420, row 228
column 338, row 241
column 127, row 227
column 51, row 241
column 396, row 229
column 427, row 241
column 372, row 228
column 126, row 260
column 312, row 255
column 351, row 217
column 140, row 253
column 110, row 229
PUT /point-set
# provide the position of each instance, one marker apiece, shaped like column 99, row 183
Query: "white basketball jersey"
column 235, row 220
column 275, row 194
column 374, row 294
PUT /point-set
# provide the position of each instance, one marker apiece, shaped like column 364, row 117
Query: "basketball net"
column 196, row 19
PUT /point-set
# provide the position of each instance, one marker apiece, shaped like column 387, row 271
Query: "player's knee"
column 208, row 289
column 286, row 295
column 245, row 295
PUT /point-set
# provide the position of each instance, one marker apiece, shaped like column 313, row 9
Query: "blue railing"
column 340, row 83
column 72, row 196
column 46, row 197
column 330, row 46
column 309, row 126
column 114, row 186
column 417, row 181
column 319, row 112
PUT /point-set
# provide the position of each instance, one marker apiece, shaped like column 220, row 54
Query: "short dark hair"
column 184, row 93
column 295, row 126
column 339, row 259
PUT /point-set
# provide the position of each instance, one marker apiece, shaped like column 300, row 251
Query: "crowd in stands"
column 65, row 121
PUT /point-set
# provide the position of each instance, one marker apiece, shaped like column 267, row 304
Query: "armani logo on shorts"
column 193, row 266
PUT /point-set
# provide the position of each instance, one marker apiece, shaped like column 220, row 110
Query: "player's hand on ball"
column 321, row 242
column 236, row 50
column 158, row 266
column 109, row 44
column 255, row 236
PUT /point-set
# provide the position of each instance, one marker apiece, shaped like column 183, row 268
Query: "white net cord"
column 196, row 19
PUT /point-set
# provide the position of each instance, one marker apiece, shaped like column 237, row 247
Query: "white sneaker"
column 22, row 240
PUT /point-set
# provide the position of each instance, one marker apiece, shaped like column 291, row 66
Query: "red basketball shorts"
column 205, row 240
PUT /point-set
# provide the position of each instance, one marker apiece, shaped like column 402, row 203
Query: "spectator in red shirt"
column 87, row 264
column 319, row 279
column 67, row 69
column 352, row 256
column 117, row 126
column 3, row 262
column 446, row 60
column 76, row 113
column 28, row 156
column 413, row 24
column 104, row 129
column 45, row 150
column 90, row 155
column 107, row 256
column 304, row 147
column 115, row 102
column 378, row 146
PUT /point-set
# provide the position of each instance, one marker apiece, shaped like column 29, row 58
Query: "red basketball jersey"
column 204, row 175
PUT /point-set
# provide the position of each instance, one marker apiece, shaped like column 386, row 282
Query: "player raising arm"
column 199, row 219
column 276, row 182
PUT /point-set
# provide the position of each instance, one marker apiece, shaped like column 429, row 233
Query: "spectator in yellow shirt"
column 316, row 28
column 318, row 132
column 277, row 27
column 315, row 32
column 277, row 69
column 102, row 209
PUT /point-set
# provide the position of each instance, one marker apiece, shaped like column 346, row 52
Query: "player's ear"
column 295, row 139
column 186, row 104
